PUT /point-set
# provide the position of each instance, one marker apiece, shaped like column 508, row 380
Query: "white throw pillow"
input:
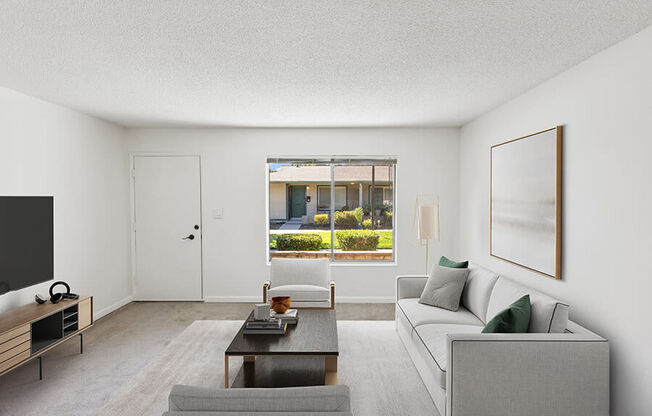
column 444, row 288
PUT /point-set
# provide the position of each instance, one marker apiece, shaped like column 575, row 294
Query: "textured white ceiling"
column 301, row 63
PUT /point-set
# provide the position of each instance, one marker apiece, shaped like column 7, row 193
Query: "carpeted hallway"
column 116, row 349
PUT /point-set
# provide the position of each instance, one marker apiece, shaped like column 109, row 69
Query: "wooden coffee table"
column 305, row 355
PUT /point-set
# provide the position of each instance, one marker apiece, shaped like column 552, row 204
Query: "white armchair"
column 306, row 281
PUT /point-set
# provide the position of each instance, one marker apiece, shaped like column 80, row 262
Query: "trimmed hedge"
column 321, row 219
column 358, row 240
column 298, row 242
column 346, row 220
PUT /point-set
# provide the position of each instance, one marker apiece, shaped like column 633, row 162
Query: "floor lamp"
column 428, row 225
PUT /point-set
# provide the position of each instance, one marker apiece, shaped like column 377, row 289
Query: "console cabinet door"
column 85, row 312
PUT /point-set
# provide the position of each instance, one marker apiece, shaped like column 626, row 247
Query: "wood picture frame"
column 525, row 207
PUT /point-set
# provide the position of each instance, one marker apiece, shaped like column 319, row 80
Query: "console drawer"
column 13, row 334
column 5, row 365
column 24, row 346
column 12, row 343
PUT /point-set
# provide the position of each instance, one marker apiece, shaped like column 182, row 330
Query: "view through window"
column 358, row 226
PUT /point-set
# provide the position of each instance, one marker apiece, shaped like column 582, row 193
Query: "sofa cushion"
column 444, row 287
column 547, row 314
column 299, row 272
column 477, row 291
column 420, row 314
column 434, row 339
column 300, row 293
column 513, row 320
column 446, row 262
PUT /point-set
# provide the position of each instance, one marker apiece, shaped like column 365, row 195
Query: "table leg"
column 331, row 370
column 226, row 371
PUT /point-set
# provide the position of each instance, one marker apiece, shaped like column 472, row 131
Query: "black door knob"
column 190, row 237
column 196, row 227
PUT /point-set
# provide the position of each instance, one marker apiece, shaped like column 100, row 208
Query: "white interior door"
column 167, row 208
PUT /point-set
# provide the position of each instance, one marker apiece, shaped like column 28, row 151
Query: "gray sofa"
column 558, row 368
column 295, row 401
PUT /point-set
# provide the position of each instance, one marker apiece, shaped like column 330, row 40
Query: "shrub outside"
column 321, row 219
column 346, row 220
column 298, row 242
column 358, row 240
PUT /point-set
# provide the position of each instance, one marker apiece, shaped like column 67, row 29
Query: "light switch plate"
column 218, row 213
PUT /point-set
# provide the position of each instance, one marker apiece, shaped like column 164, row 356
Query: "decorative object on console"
column 40, row 299
column 515, row 319
column 526, row 212
column 56, row 297
column 427, row 218
column 444, row 288
column 290, row 317
column 280, row 304
column 261, row 312
column 446, row 262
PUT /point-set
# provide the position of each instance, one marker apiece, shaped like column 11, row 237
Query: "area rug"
column 373, row 363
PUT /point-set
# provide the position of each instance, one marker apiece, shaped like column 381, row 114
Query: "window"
column 303, row 223
column 324, row 198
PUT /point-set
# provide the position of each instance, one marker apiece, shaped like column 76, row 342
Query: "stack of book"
column 272, row 326
column 290, row 316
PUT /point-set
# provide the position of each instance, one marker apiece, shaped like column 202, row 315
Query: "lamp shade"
column 428, row 222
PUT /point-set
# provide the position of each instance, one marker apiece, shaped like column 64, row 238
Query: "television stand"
column 30, row 331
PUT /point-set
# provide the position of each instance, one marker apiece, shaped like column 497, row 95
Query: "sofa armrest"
column 410, row 286
column 282, row 400
column 527, row 374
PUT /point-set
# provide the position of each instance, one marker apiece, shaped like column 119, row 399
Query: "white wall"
column 46, row 149
column 233, row 178
column 605, row 106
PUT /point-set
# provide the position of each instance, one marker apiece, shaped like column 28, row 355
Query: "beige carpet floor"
column 373, row 363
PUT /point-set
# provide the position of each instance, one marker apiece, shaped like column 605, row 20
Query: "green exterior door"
column 298, row 196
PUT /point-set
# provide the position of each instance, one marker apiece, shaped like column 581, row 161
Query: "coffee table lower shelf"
column 283, row 370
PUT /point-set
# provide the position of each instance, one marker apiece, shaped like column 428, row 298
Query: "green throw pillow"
column 444, row 262
column 515, row 319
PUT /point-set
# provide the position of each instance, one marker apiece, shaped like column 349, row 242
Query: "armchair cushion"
column 289, row 271
column 300, row 293
column 282, row 400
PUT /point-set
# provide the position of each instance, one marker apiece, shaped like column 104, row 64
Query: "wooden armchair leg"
column 266, row 286
column 332, row 295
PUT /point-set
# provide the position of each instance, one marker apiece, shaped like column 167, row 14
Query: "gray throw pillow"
column 444, row 287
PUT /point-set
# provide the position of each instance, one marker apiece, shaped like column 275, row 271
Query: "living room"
column 144, row 138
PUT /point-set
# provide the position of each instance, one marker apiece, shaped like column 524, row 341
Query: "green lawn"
column 385, row 241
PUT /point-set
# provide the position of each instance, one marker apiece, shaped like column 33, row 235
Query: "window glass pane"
column 295, row 227
column 363, row 226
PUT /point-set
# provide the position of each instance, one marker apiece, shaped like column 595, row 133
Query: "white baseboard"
column 119, row 304
column 365, row 299
column 338, row 299
column 244, row 299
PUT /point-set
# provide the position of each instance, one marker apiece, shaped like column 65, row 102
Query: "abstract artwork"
column 526, row 201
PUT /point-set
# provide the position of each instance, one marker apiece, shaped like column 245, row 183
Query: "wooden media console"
column 28, row 332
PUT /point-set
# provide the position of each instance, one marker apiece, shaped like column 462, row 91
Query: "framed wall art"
column 526, row 210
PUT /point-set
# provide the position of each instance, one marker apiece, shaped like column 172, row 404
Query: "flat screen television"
column 26, row 241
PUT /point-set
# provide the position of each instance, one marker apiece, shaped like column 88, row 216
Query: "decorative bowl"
column 280, row 304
